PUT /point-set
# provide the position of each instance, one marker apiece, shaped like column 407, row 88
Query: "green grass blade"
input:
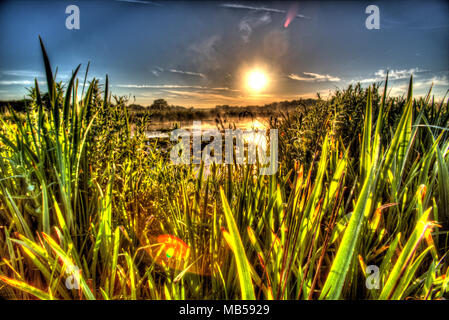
column 243, row 267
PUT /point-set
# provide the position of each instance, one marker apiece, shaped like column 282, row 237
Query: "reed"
column 90, row 210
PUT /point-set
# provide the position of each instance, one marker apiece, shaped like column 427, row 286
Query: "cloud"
column 202, row 96
column 393, row 74
column 157, row 71
column 173, row 86
column 398, row 74
column 33, row 74
column 422, row 86
column 260, row 9
column 314, row 77
column 247, row 25
column 205, row 54
column 436, row 81
column 156, row 86
column 14, row 82
column 142, row 2
column 440, row 81
column 188, row 73
column 23, row 73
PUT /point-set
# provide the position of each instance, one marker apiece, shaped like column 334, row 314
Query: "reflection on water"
column 257, row 128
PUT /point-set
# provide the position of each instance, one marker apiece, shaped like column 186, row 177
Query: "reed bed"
column 90, row 210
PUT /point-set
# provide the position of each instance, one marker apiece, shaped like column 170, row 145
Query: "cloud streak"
column 202, row 96
column 15, row 82
column 260, row 9
column 141, row 2
column 196, row 74
column 173, row 86
column 313, row 77
column 157, row 71
column 381, row 75
column 247, row 25
column 23, row 73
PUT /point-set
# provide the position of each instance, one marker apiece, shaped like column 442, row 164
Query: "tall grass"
column 85, row 203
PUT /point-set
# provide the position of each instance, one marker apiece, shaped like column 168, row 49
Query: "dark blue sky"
column 198, row 53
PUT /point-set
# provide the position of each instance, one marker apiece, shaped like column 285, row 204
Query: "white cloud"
column 248, row 24
column 157, row 71
column 156, row 86
column 393, row 74
column 253, row 8
column 314, row 77
column 197, row 74
column 204, row 54
column 202, row 96
column 12, row 83
column 173, row 86
column 141, row 2
column 439, row 81
column 23, row 73
column 421, row 87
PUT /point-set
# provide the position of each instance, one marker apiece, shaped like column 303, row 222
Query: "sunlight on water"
column 257, row 136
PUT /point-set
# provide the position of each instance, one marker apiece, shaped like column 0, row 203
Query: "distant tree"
column 136, row 107
column 159, row 104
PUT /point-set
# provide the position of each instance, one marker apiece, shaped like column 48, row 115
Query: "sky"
column 199, row 54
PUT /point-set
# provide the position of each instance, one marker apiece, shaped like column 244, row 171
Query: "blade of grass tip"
column 407, row 129
column 131, row 276
column 409, row 273
column 68, row 96
column 387, row 259
column 340, row 267
column 114, row 260
column 45, row 210
column 48, row 72
column 243, row 267
column 104, row 294
column 17, row 216
column 397, row 141
column 380, row 118
column 40, row 107
column 366, row 140
column 106, row 89
column 43, row 269
column 23, row 286
column 443, row 184
column 85, row 78
column 406, row 255
column 70, row 265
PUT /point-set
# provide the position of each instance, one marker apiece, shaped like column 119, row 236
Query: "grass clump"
column 90, row 210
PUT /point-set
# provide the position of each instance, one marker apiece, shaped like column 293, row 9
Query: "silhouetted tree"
column 159, row 104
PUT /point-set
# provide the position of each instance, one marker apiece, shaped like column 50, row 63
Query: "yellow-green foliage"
column 84, row 197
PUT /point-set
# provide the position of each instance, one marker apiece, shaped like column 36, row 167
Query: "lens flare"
column 291, row 14
column 173, row 247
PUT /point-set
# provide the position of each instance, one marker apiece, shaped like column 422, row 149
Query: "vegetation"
column 161, row 111
column 90, row 210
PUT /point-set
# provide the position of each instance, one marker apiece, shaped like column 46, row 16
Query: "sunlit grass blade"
column 243, row 268
column 21, row 285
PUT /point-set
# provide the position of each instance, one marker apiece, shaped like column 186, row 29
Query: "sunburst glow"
column 257, row 80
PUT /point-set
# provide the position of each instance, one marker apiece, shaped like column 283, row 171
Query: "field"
column 358, row 209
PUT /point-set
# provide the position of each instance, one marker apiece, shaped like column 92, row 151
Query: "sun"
column 257, row 80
